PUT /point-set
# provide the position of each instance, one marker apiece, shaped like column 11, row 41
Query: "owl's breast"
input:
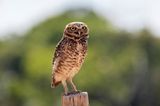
column 75, row 54
column 72, row 58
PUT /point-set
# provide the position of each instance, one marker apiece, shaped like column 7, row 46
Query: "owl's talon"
column 74, row 92
column 79, row 91
column 65, row 94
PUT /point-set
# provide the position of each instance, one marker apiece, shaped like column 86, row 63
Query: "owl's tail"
column 55, row 83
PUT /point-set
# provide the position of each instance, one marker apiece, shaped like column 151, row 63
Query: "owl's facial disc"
column 76, row 30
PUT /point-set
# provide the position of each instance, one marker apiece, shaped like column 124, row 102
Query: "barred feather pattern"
column 68, row 58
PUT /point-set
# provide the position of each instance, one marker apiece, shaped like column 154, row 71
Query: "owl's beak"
column 79, row 33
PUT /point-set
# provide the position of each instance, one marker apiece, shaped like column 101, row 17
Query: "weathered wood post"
column 78, row 99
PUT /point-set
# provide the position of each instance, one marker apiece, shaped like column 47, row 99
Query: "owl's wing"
column 56, row 54
column 55, row 61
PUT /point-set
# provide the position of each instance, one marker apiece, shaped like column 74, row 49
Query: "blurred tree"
column 121, row 69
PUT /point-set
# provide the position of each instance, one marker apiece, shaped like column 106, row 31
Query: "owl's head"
column 76, row 30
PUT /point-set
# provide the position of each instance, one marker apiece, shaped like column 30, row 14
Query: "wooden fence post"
column 78, row 99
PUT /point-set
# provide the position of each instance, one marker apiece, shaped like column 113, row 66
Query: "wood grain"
column 78, row 99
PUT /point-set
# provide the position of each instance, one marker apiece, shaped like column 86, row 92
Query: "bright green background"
column 121, row 69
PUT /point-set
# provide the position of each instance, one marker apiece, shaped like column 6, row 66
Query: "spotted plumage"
column 69, row 54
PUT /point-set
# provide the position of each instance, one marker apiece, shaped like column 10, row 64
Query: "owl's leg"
column 72, row 85
column 65, row 87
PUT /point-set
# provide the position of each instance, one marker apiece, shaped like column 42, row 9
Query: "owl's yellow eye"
column 73, row 28
column 84, row 28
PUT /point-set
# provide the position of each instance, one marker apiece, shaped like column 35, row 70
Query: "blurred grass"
column 121, row 68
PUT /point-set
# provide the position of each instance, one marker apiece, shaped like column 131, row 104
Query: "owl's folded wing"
column 56, row 54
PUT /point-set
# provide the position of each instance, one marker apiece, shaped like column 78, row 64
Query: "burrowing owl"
column 69, row 55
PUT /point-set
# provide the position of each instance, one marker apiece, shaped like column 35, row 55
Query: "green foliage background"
column 121, row 69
